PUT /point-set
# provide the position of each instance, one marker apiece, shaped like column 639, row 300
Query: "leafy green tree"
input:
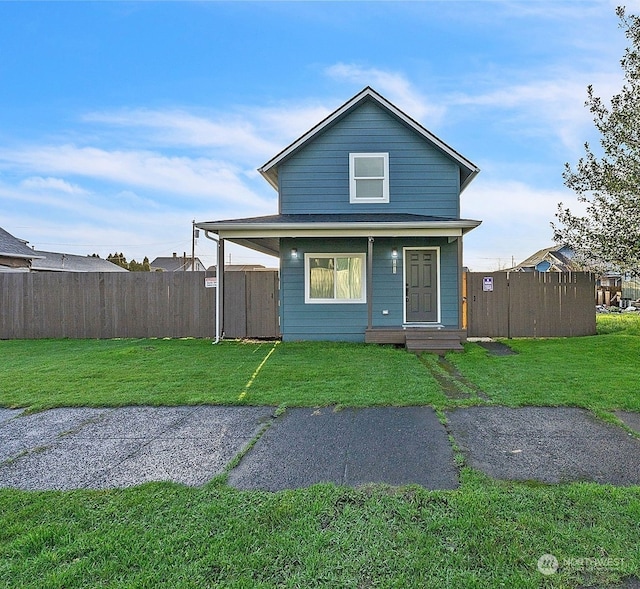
column 132, row 266
column 143, row 266
column 119, row 260
column 607, row 235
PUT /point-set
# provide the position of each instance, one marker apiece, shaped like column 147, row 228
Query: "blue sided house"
column 368, row 230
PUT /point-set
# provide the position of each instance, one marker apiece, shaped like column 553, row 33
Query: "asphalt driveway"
column 104, row 448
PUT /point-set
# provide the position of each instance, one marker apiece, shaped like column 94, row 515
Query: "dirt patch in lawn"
column 497, row 348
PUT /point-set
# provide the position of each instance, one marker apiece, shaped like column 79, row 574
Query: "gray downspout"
column 217, row 240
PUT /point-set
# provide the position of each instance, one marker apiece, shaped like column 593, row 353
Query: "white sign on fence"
column 210, row 282
column 487, row 284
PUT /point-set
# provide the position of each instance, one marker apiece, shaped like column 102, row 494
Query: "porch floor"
column 419, row 339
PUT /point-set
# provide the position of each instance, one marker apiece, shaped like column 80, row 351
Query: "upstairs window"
column 368, row 177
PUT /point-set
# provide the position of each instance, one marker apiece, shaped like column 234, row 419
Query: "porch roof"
column 263, row 233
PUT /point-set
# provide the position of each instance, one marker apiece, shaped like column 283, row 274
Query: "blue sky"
column 121, row 122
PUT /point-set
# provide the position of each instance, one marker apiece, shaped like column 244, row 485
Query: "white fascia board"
column 258, row 227
column 327, row 230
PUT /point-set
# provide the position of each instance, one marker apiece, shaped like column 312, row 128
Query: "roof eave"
column 256, row 230
column 21, row 256
column 338, row 225
column 469, row 178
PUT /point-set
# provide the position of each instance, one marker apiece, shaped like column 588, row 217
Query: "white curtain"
column 335, row 278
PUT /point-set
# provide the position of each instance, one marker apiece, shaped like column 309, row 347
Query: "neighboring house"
column 609, row 286
column 368, row 230
column 240, row 268
column 630, row 288
column 57, row 262
column 177, row 263
column 15, row 254
column 550, row 259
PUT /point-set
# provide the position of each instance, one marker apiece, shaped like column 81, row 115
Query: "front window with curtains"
column 334, row 278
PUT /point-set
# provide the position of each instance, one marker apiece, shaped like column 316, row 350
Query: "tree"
column 143, row 266
column 607, row 235
column 132, row 266
column 119, row 260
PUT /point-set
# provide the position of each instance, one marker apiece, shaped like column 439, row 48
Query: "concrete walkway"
column 103, row 448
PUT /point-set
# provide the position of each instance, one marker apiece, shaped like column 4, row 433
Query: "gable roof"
column 174, row 263
column 468, row 170
column 558, row 258
column 57, row 262
column 12, row 247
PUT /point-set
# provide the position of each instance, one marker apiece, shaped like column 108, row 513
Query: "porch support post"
column 220, row 285
column 462, row 306
column 370, row 283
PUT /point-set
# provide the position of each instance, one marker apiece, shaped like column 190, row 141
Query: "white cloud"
column 98, row 224
column 551, row 105
column 288, row 122
column 52, row 184
column 180, row 128
column 394, row 86
column 508, row 201
column 245, row 134
column 192, row 177
column 516, row 220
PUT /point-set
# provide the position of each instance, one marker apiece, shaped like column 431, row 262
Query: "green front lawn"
column 484, row 535
column 40, row 374
column 599, row 372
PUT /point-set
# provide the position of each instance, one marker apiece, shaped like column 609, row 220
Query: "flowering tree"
column 607, row 236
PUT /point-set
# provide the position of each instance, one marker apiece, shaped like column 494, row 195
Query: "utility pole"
column 195, row 233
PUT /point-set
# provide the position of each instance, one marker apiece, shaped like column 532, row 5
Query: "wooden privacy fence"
column 251, row 304
column 177, row 304
column 135, row 304
column 530, row 304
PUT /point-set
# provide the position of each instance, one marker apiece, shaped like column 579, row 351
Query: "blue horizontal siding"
column 422, row 180
column 348, row 322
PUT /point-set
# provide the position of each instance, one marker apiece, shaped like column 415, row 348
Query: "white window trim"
column 352, row 180
column 307, row 278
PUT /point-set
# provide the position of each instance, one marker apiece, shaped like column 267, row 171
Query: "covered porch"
column 385, row 248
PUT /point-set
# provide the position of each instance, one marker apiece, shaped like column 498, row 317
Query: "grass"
column 67, row 373
column 486, row 534
column 621, row 323
column 599, row 372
